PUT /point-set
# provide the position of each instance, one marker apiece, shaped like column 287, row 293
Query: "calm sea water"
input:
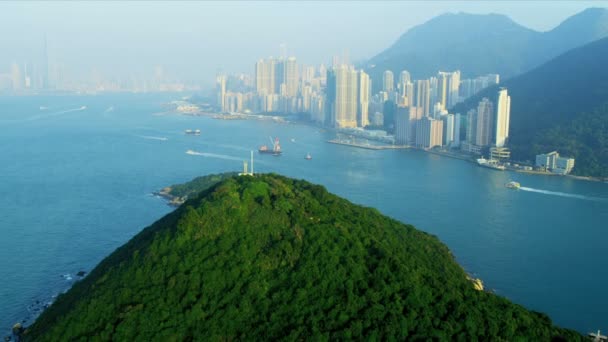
column 76, row 184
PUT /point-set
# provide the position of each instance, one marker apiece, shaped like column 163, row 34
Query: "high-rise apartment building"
column 503, row 112
column 342, row 96
column 484, row 120
column 265, row 76
column 220, row 83
column 422, row 96
column 365, row 92
column 290, row 78
column 388, row 81
column 429, row 133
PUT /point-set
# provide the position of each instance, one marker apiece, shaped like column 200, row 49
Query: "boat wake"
column 213, row 155
column 564, row 194
column 61, row 112
column 152, row 138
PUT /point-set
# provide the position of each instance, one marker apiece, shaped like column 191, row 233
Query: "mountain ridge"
column 479, row 44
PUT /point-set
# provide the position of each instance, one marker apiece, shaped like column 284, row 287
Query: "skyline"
column 192, row 39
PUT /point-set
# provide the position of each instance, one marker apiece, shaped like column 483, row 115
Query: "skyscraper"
column 422, row 96
column 485, row 114
column 346, row 90
column 291, row 77
column 365, row 90
column 265, row 76
column 448, row 84
column 503, row 112
column 388, row 82
column 220, row 83
column 448, row 129
column 429, row 133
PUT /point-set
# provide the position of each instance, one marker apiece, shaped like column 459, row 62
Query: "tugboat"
column 513, row 185
column 276, row 148
column 308, row 156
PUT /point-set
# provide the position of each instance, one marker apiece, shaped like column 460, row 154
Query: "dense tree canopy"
column 267, row 257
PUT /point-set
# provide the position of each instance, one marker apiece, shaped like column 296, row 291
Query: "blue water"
column 76, row 184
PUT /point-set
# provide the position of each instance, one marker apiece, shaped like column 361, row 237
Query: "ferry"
column 490, row 163
column 193, row 131
column 276, row 148
column 308, row 156
column 513, row 185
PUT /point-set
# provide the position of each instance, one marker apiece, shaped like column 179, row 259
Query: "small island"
column 267, row 257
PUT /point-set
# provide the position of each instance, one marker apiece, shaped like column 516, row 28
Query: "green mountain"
column 481, row 44
column 561, row 105
column 268, row 257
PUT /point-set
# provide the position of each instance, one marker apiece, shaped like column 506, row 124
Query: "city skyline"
column 192, row 48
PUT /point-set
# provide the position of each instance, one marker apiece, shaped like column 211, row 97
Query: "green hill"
column 561, row 105
column 479, row 44
column 268, row 257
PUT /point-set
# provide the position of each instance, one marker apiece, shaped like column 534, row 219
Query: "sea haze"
column 78, row 173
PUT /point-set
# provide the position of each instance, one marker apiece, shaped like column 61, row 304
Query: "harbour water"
column 76, row 183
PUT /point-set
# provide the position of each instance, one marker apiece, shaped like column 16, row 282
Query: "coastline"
column 280, row 119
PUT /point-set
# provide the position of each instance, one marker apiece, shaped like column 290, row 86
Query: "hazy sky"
column 193, row 40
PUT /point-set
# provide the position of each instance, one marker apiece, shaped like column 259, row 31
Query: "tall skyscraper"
column 457, row 120
column 503, row 113
column 346, row 90
column 388, row 81
column 365, row 90
column 448, row 129
column 220, row 83
column 448, row 84
column 471, row 133
column 485, row 114
column 422, row 96
column 291, row 76
column 265, row 76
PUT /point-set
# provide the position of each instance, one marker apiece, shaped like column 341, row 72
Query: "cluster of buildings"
column 552, row 162
column 30, row 77
column 340, row 96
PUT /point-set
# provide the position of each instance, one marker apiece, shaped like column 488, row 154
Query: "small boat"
column 293, row 140
column 512, row 185
column 193, row 131
column 308, row 156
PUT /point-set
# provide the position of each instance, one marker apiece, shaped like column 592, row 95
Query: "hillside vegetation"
column 268, row 257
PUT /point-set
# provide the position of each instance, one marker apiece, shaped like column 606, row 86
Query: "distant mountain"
column 272, row 258
column 481, row 44
column 561, row 105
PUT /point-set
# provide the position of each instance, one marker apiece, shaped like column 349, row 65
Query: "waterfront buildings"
column 429, row 133
column 554, row 163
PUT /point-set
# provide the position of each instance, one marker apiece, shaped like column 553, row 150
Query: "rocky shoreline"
column 174, row 201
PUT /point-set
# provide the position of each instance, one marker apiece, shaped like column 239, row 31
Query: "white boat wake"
column 213, row 155
column 564, row 194
column 152, row 138
column 61, row 112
